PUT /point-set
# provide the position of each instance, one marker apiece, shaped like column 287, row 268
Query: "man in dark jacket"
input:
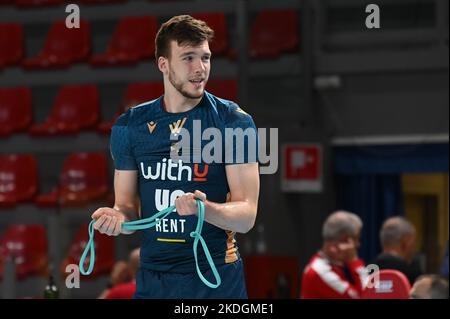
column 398, row 239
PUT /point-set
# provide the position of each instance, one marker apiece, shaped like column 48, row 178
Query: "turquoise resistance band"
column 148, row 223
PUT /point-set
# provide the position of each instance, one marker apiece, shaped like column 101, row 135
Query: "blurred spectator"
column 430, row 287
column 123, row 278
column 336, row 271
column 444, row 267
column 398, row 239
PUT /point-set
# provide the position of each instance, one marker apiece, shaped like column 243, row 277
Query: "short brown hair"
column 185, row 30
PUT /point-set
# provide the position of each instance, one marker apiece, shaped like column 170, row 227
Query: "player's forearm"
column 238, row 216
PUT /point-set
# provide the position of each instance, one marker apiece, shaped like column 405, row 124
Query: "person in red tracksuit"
column 336, row 272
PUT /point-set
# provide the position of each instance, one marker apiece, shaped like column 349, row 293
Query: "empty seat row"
column 77, row 107
column 84, row 178
column 27, row 246
column 272, row 34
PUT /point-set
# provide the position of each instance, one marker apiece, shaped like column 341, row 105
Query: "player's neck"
column 177, row 103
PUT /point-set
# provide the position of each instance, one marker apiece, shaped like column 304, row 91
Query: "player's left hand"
column 187, row 204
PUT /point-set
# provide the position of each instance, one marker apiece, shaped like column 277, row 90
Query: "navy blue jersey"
column 141, row 141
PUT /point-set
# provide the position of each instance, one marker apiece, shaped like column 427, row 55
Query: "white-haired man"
column 336, row 272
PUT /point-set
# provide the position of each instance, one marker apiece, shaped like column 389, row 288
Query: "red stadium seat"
column 274, row 33
column 15, row 110
column 11, row 44
column 37, row 3
column 104, row 253
column 18, row 179
column 393, row 285
column 62, row 47
column 84, row 178
column 135, row 94
column 225, row 89
column 131, row 42
column 27, row 245
column 76, row 107
column 217, row 22
column 141, row 92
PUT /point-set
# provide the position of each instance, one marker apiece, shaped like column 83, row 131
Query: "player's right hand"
column 108, row 221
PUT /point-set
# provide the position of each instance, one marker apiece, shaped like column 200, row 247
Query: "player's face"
column 189, row 68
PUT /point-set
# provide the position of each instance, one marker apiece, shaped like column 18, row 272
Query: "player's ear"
column 163, row 65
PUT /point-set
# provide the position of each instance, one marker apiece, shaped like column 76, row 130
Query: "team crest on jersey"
column 176, row 127
column 151, row 126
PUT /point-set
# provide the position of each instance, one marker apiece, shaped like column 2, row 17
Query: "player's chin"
column 195, row 94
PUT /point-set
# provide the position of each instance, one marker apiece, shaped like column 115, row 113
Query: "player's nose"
column 199, row 67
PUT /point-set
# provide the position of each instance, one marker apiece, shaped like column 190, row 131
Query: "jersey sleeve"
column 241, row 137
column 120, row 144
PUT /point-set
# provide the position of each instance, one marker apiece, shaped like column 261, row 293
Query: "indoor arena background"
column 365, row 110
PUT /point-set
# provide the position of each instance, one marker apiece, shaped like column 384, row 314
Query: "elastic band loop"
column 151, row 222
